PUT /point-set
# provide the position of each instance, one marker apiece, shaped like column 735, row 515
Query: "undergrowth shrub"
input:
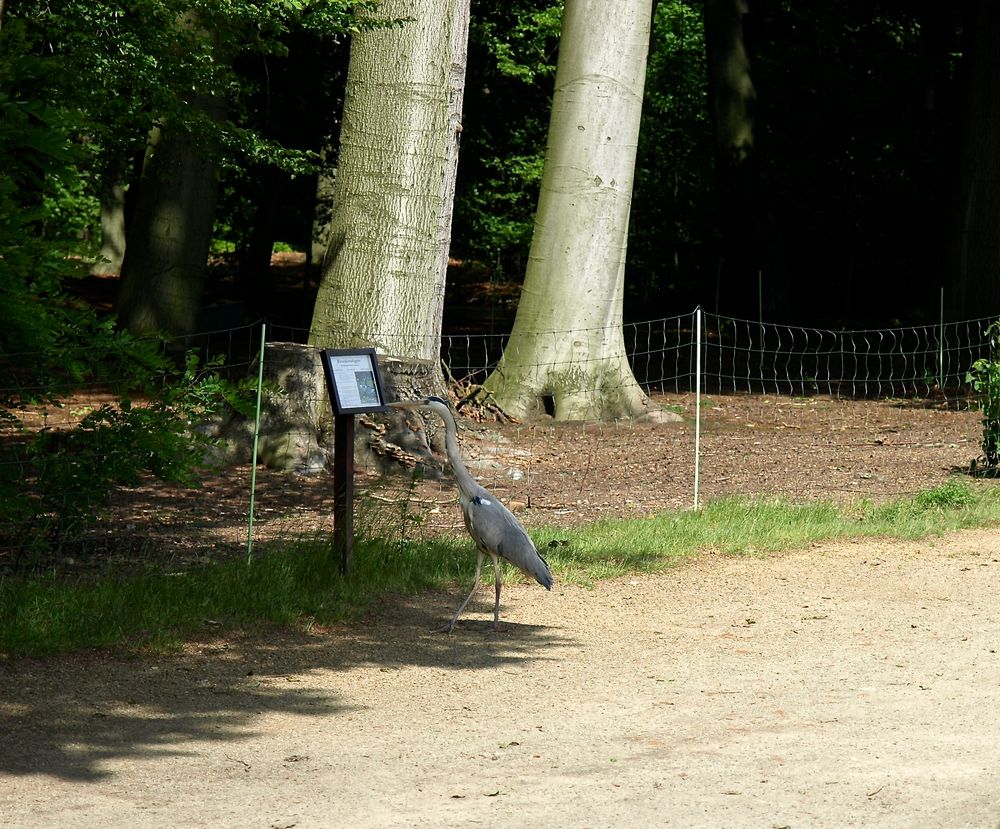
column 54, row 482
column 984, row 377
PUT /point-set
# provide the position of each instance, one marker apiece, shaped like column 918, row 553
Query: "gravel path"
column 847, row 685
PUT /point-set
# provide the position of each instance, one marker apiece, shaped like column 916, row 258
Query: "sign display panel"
column 354, row 380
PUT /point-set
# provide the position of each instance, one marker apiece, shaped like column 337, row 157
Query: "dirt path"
column 847, row 685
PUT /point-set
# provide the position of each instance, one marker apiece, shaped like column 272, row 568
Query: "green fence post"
column 256, row 436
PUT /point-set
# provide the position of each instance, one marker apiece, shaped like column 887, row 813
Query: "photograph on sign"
column 354, row 380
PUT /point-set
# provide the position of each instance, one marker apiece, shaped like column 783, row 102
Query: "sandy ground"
column 846, row 685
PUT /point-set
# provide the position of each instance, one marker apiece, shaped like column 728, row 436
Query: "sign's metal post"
column 343, row 490
column 354, row 383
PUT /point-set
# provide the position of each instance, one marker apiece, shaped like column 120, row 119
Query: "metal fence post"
column 697, row 403
column 256, row 436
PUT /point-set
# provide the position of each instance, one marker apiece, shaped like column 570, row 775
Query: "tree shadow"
column 70, row 716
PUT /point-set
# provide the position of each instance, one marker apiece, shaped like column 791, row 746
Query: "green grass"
column 299, row 584
column 741, row 526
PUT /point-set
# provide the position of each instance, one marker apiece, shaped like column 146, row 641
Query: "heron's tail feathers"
column 541, row 572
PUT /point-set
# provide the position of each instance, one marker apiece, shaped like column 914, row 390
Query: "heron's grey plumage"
column 497, row 533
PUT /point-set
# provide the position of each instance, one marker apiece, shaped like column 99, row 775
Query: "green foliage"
column 673, row 204
column 36, row 155
column 72, row 211
column 56, row 483
column 512, row 51
column 984, row 377
column 512, row 61
column 522, row 44
column 53, row 483
column 147, row 64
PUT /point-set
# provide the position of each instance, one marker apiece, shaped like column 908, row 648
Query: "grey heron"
column 497, row 533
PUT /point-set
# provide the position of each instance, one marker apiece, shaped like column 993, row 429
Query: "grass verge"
column 301, row 583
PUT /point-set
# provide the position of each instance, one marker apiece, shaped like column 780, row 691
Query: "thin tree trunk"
column 109, row 259
column 975, row 261
column 566, row 354
column 323, row 214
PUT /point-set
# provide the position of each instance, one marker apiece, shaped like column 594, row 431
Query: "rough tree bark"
column 163, row 272
column 383, row 276
column 297, row 426
column 112, row 253
column 566, row 353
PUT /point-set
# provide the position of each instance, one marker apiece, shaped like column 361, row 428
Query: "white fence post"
column 697, row 403
column 941, row 346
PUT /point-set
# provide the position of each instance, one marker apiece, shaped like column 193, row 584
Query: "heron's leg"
column 475, row 584
column 496, row 604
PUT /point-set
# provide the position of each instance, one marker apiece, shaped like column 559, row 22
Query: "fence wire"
column 745, row 356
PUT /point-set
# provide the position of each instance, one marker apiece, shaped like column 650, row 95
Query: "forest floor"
column 801, row 449
column 848, row 684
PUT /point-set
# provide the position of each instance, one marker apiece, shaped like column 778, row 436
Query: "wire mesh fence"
column 744, row 356
column 800, row 411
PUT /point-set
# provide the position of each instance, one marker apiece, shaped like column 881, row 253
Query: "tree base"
column 539, row 390
column 297, row 424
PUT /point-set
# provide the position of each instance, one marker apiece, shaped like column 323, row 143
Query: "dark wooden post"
column 355, row 385
column 343, row 490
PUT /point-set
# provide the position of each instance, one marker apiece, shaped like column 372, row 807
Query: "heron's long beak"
column 407, row 404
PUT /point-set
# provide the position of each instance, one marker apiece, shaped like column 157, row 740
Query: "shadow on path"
column 66, row 716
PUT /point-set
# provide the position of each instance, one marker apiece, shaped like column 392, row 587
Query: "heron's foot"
column 448, row 627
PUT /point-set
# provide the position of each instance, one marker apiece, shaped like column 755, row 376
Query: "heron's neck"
column 462, row 474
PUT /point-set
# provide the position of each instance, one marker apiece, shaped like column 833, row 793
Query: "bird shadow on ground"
column 71, row 716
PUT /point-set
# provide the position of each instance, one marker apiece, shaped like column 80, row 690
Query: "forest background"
column 862, row 191
column 823, row 166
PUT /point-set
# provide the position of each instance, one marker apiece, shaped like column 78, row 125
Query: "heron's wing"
column 495, row 530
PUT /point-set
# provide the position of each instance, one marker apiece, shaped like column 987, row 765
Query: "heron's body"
column 497, row 533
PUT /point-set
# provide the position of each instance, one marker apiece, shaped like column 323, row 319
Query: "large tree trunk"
column 566, row 353
column 975, row 258
column 170, row 233
column 163, row 272
column 383, row 276
column 297, row 426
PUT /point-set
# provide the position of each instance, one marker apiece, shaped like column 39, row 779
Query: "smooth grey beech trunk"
column 383, row 275
column 567, row 346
